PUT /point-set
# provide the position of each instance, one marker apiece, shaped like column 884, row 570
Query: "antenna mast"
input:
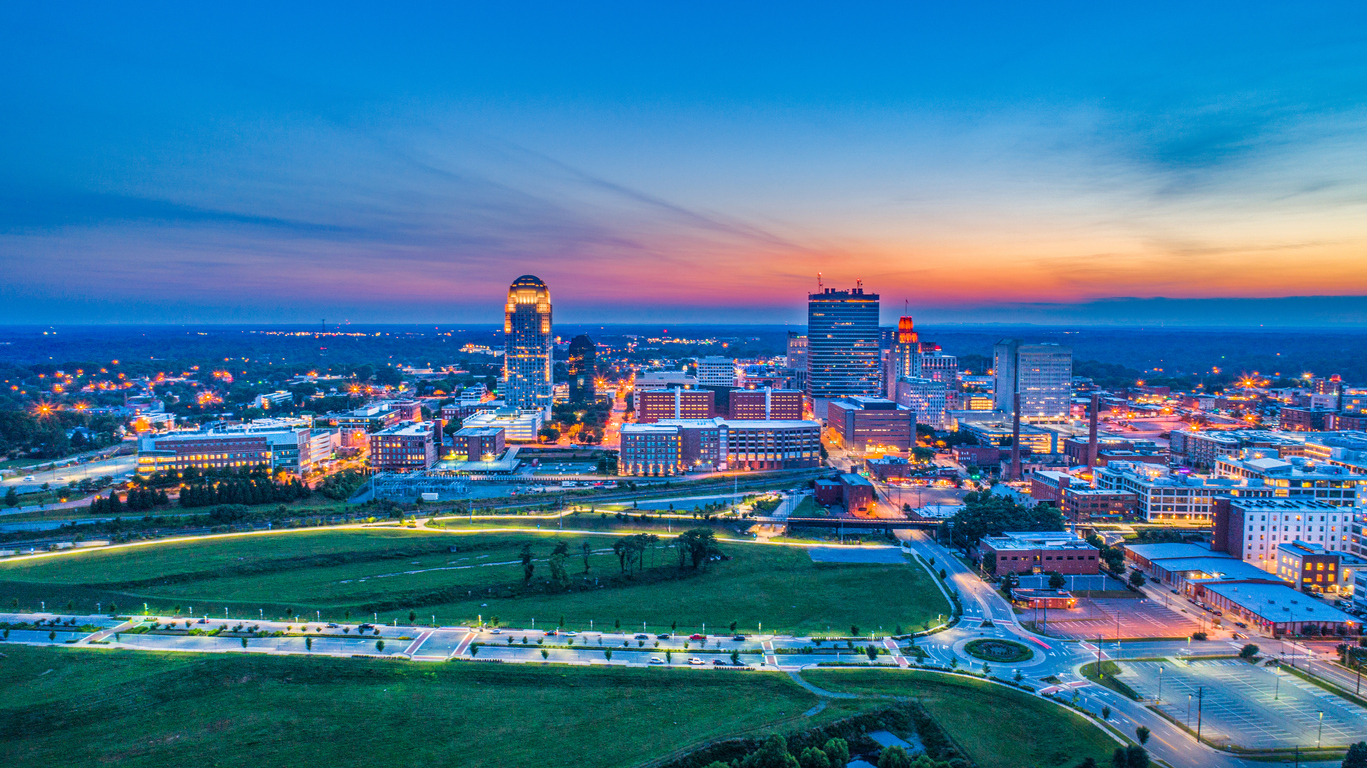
column 819, row 287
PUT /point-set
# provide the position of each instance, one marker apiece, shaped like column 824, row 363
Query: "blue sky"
column 983, row 162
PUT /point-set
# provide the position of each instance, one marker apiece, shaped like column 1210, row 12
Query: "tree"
column 1248, row 651
column 11, row 497
column 379, row 645
column 559, row 573
column 700, row 544
column 412, row 616
column 308, row 643
column 1133, row 756
column 545, row 654
column 607, row 654
column 1087, row 762
column 586, row 550
column 813, row 758
column 838, row 751
column 772, row 754
column 1357, row 756
column 1136, row 578
column 474, row 650
column 1105, row 713
column 528, row 567
column 1056, row 580
column 893, row 757
column 1142, row 733
column 244, row 642
column 872, row 652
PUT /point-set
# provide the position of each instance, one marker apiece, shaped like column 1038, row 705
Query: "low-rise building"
column 269, row 443
column 1277, row 609
column 1253, row 529
column 766, row 403
column 856, row 492
column 651, row 450
column 519, row 426
column 1202, row 449
column 871, row 424
column 722, row 444
column 677, row 403
column 1308, row 567
column 1297, row 478
column 405, row 447
column 1038, row 552
column 478, row 443
column 1086, row 504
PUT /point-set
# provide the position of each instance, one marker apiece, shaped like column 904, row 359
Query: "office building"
column 1297, row 479
column 767, row 403
column 683, row 445
column 405, row 447
column 795, row 362
column 1251, row 529
column 271, row 444
column 1041, row 374
column 656, row 404
column 1039, row 552
column 871, row 424
column 518, row 426
column 903, row 360
column 478, row 443
column 842, row 346
column 1202, row 449
column 926, row 398
column 528, row 344
column 582, row 368
column 1162, row 497
column 715, row 371
column 1316, row 419
column 935, row 365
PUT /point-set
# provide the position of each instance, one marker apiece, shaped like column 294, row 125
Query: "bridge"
column 856, row 523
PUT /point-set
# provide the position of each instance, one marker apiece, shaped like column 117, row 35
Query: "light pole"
column 1320, row 738
column 1188, row 711
column 1277, row 673
column 1159, row 702
column 1200, row 698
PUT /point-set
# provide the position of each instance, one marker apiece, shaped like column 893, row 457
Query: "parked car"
column 662, row 636
column 1240, row 624
column 695, row 661
column 718, row 663
column 696, row 636
column 656, row 660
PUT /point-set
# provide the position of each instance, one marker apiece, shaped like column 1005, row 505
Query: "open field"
column 77, row 707
column 391, row 572
column 996, row 726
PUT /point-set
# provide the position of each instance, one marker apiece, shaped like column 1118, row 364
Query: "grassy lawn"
column 78, row 707
column 996, row 726
column 393, row 571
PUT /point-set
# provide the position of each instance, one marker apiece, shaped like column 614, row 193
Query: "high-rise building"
column 842, row 346
column 927, row 398
column 937, row 366
column 716, row 371
column 797, row 360
column 1042, row 374
column 903, row 356
column 582, row 367
column 527, row 345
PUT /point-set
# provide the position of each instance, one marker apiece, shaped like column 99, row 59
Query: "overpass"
column 854, row 524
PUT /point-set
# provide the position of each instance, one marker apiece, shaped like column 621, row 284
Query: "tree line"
column 139, row 500
column 242, row 491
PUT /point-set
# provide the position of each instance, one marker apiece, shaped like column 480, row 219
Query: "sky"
column 1199, row 164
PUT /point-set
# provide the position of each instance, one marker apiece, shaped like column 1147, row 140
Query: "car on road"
column 696, row 636
column 739, row 638
column 551, row 633
column 656, row 660
column 642, row 636
column 365, row 627
column 1240, row 636
column 695, row 661
column 1241, row 624
column 332, row 626
column 495, row 631
column 571, row 634
column 662, row 636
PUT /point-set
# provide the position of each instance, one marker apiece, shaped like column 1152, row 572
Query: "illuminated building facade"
column 405, row 447
column 716, row 371
column 528, row 345
column 675, row 446
column 843, row 358
column 675, row 403
column 904, row 356
column 871, row 424
column 1042, row 374
column 478, row 443
column 774, row 404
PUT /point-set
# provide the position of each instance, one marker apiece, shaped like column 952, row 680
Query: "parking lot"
column 1138, row 618
column 1245, row 705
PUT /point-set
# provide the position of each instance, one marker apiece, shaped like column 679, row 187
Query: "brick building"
column 405, row 447
column 1039, row 552
column 780, row 404
column 871, row 423
column 675, row 403
column 477, row 443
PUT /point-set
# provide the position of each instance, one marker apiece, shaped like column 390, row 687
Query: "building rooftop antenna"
column 819, row 286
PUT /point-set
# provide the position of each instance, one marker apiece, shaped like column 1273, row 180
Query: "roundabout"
column 998, row 651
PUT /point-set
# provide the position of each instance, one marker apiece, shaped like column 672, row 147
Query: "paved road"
column 985, row 615
column 117, row 466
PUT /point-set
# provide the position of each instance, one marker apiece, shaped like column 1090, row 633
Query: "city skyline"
column 1018, row 165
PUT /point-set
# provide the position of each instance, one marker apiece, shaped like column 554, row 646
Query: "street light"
column 1159, row 702
column 1320, row 737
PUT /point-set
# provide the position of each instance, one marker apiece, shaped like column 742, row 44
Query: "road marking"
column 896, row 652
column 463, row 644
column 769, row 657
column 422, row 638
column 102, row 634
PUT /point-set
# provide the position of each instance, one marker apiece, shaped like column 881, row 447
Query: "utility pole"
column 1200, row 697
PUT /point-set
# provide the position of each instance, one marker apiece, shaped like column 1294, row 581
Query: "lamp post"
column 1320, row 738
column 1159, row 701
column 1200, row 698
column 1188, row 710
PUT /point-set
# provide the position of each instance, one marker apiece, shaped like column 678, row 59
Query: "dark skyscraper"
column 527, row 345
column 842, row 345
column 582, row 368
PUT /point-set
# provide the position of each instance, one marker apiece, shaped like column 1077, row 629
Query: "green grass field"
column 85, row 707
column 996, row 726
column 393, row 571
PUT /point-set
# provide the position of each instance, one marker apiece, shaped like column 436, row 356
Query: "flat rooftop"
column 1280, row 604
column 1171, row 551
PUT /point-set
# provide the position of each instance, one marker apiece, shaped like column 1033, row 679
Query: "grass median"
column 396, row 573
